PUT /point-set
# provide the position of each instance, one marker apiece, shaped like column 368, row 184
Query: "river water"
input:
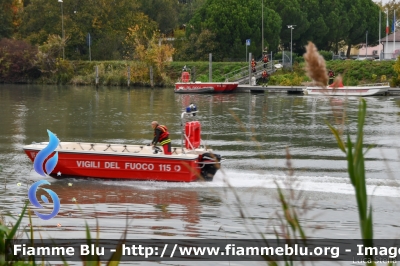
column 253, row 132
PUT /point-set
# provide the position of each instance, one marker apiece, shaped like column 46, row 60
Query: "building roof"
column 391, row 36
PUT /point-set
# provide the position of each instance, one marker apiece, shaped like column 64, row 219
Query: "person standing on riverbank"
column 264, row 77
column 265, row 60
column 331, row 76
column 161, row 135
column 253, row 65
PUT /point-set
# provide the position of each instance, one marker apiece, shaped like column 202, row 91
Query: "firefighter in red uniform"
column 161, row 135
column 331, row 75
column 253, row 65
column 264, row 76
column 265, row 60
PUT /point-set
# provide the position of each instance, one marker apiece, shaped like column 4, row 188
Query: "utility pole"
column 366, row 44
column 62, row 27
column 291, row 27
column 387, row 33
column 262, row 28
column 380, row 50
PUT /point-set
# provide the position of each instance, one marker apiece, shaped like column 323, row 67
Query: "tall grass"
column 315, row 66
column 7, row 236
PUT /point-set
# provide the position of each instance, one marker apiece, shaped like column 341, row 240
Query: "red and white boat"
column 340, row 90
column 190, row 162
column 185, row 84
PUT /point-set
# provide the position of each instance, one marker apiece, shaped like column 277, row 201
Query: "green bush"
column 326, row 55
column 298, row 59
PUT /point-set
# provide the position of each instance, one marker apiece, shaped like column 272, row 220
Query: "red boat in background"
column 186, row 85
column 187, row 163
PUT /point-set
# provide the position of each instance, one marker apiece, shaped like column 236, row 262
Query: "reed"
column 354, row 151
column 315, row 65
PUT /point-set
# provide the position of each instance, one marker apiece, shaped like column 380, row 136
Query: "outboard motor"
column 210, row 163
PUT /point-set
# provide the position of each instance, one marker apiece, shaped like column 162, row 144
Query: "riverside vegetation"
column 24, row 63
column 114, row 73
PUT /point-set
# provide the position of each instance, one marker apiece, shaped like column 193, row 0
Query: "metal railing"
column 374, row 84
column 237, row 74
column 242, row 75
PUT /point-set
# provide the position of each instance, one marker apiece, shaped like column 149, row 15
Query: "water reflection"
column 111, row 200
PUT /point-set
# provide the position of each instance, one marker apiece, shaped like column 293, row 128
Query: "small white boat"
column 340, row 90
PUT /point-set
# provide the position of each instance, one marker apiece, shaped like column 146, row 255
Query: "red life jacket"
column 265, row 59
column 164, row 133
column 264, row 74
column 253, row 63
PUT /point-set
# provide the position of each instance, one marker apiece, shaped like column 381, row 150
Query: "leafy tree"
column 149, row 51
column 49, row 52
column 391, row 6
column 198, row 47
column 39, row 19
column 220, row 27
column 164, row 12
column 359, row 11
column 338, row 23
column 232, row 22
column 106, row 21
column 187, row 8
column 291, row 13
column 317, row 29
column 50, row 63
column 139, row 35
column 272, row 26
column 6, row 18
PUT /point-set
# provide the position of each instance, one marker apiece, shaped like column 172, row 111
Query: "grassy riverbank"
column 115, row 73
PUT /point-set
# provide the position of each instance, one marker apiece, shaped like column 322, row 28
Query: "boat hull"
column 219, row 87
column 195, row 90
column 348, row 91
column 135, row 163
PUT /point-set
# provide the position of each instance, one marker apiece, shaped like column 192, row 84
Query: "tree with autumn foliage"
column 106, row 21
column 149, row 50
column 17, row 61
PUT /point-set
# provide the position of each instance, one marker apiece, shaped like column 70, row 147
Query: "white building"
column 391, row 45
column 370, row 51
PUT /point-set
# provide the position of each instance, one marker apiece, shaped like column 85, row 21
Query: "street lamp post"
column 291, row 27
column 366, row 44
column 62, row 26
column 262, row 28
